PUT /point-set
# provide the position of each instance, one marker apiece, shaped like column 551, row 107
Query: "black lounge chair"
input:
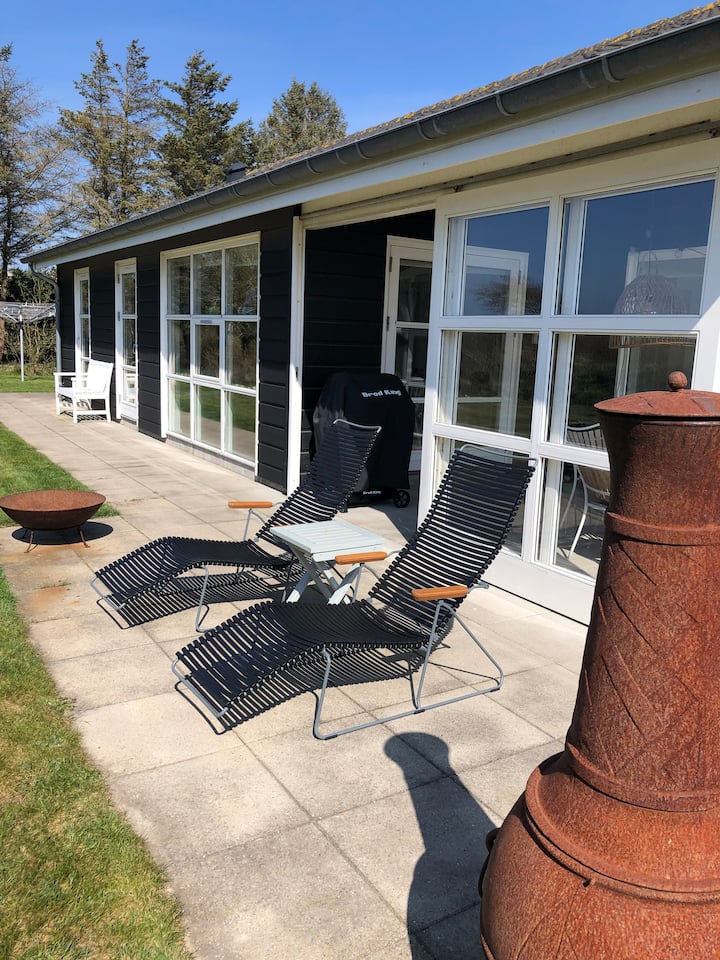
column 151, row 575
column 408, row 611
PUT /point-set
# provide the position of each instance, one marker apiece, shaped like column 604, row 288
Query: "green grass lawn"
column 22, row 468
column 76, row 883
column 10, row 381
column 75, row 880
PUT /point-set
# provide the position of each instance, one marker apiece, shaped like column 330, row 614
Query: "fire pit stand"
column 52, row 510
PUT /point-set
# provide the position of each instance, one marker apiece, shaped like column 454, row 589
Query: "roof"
column 663, row 44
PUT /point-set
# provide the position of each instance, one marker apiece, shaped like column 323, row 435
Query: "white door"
column 126, row 339
column 407, row 317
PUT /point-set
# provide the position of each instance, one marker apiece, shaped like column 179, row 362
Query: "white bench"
column 83, row 389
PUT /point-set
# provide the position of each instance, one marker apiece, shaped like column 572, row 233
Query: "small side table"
column 317, row 545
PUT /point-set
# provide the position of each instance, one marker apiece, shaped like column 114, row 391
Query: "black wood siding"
column 344, row 295
column 274, row 332
column 66, row 317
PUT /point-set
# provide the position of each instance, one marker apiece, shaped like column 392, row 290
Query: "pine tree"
column 201, row 143
column 114, row 136
column 302, row 118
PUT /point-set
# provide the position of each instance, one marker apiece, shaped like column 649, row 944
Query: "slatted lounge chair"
column 408, row 611
column 153, row 573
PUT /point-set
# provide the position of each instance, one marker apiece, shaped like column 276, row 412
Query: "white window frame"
column 196, row 321
column 641, row 171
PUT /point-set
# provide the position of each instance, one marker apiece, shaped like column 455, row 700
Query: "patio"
column 368, row 846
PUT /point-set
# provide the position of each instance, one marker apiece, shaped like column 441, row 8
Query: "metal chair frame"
column 409, row 610
column 594, row 481
column 157, row 567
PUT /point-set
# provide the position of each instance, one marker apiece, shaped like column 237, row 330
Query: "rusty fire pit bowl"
column 52, row 509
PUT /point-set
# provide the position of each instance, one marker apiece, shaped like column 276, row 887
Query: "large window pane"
column 207, row 350
column 207, row 281
column 179, row 347
column 575, row 498
column 178, row 286
column 496, row 264
column 594, row 367
column 179, row 407
column 487, row 380
column 240, row 353
column 241, row 280
column 207, row 416
column 240, row 425
column 213, row 350
column 636, row 253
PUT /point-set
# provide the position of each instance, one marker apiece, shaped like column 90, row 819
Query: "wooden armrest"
column 360, row 557
column 249, row 504
column 440, row 593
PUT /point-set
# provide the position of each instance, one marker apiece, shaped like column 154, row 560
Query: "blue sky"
column 379, row 58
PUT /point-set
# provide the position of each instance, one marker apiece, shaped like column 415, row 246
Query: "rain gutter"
column 598, row 74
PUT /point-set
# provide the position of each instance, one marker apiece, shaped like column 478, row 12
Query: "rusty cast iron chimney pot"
column 614, row 848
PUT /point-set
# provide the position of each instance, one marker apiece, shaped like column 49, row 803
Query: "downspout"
column 54, row 284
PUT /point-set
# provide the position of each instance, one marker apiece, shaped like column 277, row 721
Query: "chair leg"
column 418, row 706
column 579, row 530
column 570, row 498
column 201, row 602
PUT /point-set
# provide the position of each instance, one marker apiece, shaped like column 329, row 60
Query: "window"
column 211, row 325
column 487, row 380
column 82, row 318
column 496, row 264
column 636, row 253
column 588, row 368
column 549, row 308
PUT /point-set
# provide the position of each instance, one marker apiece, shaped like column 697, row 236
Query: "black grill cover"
column 378, row 399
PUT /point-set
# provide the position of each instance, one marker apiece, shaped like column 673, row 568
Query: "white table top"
column 325, row 539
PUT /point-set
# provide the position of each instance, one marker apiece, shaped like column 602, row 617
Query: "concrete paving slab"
column 409, row 948
column 293, row 894
column 198, row 807
column 337, row 775
column 498, row 784
column 475, row 732
column 422, row 848
column 549, row 635
column 456, row 938
column 151, row 732
column 98, row 679
column 68, row 637
column 544, row 696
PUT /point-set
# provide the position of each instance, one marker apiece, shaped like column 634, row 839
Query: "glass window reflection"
column 488, row 379
column 496, row 264
column 636, row 253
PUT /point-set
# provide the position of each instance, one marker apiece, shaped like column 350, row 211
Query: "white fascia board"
column 682, row 102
